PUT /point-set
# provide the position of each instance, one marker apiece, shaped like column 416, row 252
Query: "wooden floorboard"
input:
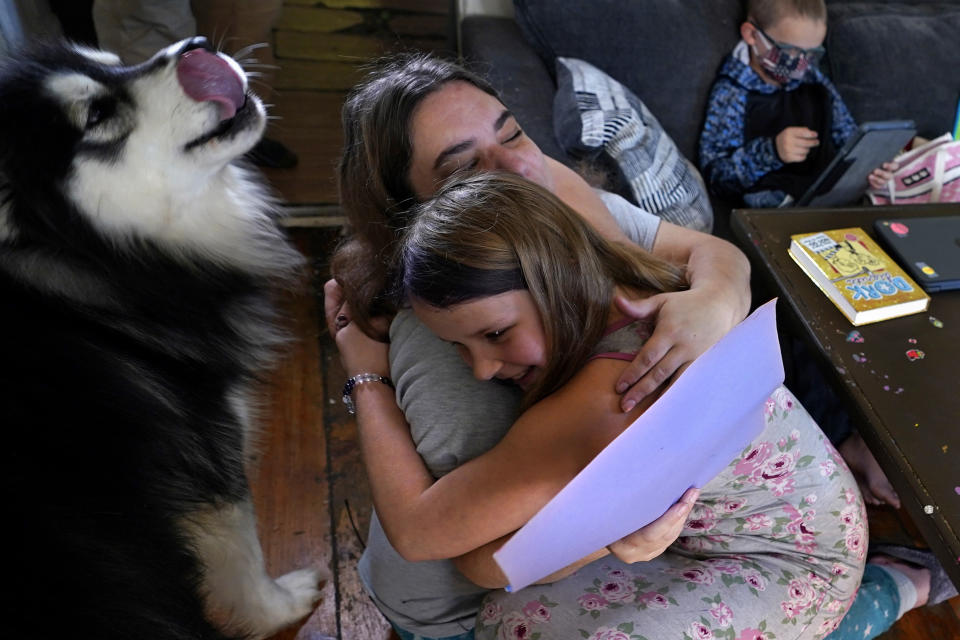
column 308, row 470
column 308, row 122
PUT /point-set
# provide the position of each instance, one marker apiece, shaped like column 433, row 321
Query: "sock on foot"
column 905, row 587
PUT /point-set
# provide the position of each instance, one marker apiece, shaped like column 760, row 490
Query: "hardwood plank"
column 359, row 617
column 892, row 526
column 317, row 19
column 925, row 623
column 420, row 25
column 348, row 48
column 424, row 6
column 309, row 123
column 289, row 484
column 332, row 46
column 317, row 75
column 351, row 508
column 350, row 499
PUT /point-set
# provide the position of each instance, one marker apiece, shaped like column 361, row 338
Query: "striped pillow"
column 594, row 115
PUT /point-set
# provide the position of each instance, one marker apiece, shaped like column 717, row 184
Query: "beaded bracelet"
column 361, row 378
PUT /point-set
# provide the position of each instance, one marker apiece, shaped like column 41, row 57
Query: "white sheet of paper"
column 694, row 430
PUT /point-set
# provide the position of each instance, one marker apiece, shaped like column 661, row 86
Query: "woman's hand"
column 880, row 177
column 687, row 323
column 359, row 353
column 649, row 542
column 333, row 306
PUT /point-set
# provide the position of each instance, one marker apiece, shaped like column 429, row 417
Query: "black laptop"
column 927, row 248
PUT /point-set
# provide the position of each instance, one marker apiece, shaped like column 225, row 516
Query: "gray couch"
column 889, row 60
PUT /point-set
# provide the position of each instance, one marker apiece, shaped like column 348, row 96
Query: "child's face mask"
column 784, row 62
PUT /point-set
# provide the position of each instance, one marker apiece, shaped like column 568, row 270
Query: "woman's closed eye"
column 514, row 136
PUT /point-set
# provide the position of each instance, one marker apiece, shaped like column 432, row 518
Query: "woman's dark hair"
column 374, row 171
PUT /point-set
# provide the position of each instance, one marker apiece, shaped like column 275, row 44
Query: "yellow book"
column 858, row 277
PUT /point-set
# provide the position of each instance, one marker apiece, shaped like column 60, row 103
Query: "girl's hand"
column 687, row 323
column 359, row 353
column 880, row 177
column 649, row 542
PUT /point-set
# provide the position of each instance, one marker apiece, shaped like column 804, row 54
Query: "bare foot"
column 919, row 576
column 874, row 486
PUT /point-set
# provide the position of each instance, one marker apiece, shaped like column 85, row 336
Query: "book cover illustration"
column 864, row 282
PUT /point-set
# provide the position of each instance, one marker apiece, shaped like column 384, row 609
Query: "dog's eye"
column 100, row 110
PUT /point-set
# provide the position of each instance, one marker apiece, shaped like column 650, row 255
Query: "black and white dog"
column 137, row 266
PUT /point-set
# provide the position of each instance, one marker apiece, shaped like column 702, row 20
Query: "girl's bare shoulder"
column 584, row 415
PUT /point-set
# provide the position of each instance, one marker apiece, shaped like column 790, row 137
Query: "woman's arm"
column 687, row 322
column 582, row 198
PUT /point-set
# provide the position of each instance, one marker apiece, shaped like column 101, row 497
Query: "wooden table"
column 908, row 411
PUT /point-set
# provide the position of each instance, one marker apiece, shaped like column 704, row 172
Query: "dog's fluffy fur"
column 137, row 265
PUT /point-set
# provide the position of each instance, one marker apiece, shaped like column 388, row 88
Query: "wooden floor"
column 321, row 49
column 310, row 491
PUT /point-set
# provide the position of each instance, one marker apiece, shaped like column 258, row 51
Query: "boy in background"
column 774, row 121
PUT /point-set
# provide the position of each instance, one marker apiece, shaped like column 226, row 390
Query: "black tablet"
column 845, row 178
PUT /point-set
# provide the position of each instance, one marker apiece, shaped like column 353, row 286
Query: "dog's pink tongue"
column 206, row 77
